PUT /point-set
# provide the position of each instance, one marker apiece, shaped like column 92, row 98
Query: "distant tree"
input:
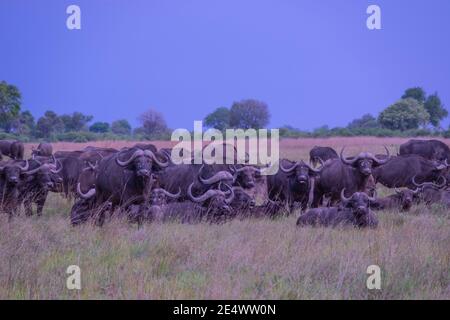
column 218, row 119
column 435, row 109
column 416, row 93
column 404, row 115
column 366, row 121
column 75, row 121
column 249, row 113
column 121, row 127
column 10, row 101
column 153, row 123
column 99, row 127
column 25, row 123
column 48, row 125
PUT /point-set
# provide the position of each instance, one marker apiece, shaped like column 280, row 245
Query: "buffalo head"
column 12, row 171
column 301, row 171
column 358, row 203
column 140, row 161
column 214, row 199
column 406, row 198
column 364, row 161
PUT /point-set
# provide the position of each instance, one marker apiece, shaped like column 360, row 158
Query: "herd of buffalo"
column 143, row 184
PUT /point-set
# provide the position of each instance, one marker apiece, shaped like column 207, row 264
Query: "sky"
column 314, row 62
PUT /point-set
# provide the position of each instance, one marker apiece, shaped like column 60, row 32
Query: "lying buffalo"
column 434, row 193
column 294, row 182
column 352, row 174
column 429, row 149
column 12, row 149
column 399, row 171
column 354, row 210
column 402, row 200
column 321, row 154
column 215, row 203
column 44, row 149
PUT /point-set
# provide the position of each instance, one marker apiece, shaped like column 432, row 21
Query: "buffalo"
column 402, row 200
column 40, row 178
column 44, row 149
column 293, row 183
column 399, row 171
column 434, row 193
column 353, row 174
column 354, row 211
column 12, row 149
column 429, row 149
column 321, row 154
column 10, row 177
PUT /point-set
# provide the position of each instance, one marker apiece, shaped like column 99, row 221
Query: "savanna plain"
column 242, row 259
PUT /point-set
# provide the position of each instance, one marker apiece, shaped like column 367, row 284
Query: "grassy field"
column 248, row 259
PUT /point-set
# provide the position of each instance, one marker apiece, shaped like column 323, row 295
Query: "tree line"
column 414, row 114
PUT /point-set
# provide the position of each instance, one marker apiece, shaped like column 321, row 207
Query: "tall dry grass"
column 249, row 259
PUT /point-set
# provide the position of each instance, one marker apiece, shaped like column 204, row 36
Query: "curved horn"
column 429, row 184
column 374, row 197
column 208, row 194
column 416, row 190
column 171, row 195
column 343, row 198
column 231, row 197
column 86, row 195
column 289, row 170
column 53, row 167
column 383, row 161
column 345, row 160
column 150, row 154
column 25, row 167
column 219, row 176
column 136, row 154
column 33, row 171
column 314, row 169
column 442, row 166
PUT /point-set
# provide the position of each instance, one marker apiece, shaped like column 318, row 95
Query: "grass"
column 248, row 259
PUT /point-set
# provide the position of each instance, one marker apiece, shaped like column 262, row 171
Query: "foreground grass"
column 250, row 259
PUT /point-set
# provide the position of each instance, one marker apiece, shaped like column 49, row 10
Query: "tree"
column 153, row 124
column 10, row 101
column 25, row 124
column 366, row 121
column 435, row 109
column 121, row 127
column 249, row 113
column 404, row 115
column 219, row 119
column 75, row 122
column 49, row 124
column 99, row 127
column 416, row 93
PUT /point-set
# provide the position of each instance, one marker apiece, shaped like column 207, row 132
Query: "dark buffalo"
column 399, row 171
column 12, row 149
column 321, row 154
column 215, row 203
column 126, row 175
column 353, row 175
column 402, row 200
column 40, row 178
column 294, row 182
column 354, row 210
column 429, row 149
column 10, row 177
column 44, row 149
column 434, row 193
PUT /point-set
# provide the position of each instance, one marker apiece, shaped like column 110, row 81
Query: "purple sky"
column 314, row 62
